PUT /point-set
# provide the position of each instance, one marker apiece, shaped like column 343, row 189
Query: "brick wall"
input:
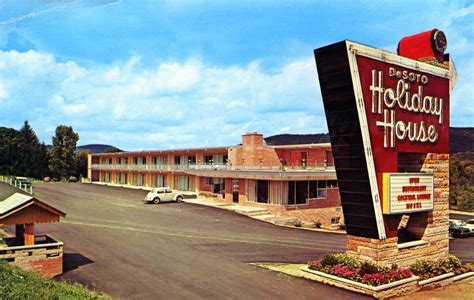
column 253, row 152
column 315, row 156
column 47, row 261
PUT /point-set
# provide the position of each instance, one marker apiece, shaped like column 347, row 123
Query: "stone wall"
column 431, row 227
column 44, row 259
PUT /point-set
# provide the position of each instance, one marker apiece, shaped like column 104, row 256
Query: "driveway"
column 116, row 244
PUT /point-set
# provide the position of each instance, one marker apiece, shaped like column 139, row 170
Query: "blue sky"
column 173, row 74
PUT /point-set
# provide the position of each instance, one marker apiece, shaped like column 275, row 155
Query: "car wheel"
column 179, row 199
column 156, row 200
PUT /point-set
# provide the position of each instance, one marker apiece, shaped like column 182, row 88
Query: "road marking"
column 256, row 241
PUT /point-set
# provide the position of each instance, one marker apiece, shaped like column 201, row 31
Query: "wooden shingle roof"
column 23, row 209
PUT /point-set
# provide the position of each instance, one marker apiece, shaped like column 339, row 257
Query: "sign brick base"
column 431, row 228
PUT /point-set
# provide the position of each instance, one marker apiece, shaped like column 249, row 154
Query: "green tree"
column 62, row 161
column 32, row 156
column 8, row 148
column 81, row 164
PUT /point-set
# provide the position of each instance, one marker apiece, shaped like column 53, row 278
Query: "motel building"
column 294, row 181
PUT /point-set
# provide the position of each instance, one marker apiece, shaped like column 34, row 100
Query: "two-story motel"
column 287, row 180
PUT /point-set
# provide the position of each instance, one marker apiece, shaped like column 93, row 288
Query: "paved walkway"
column 257, row 213
column 460, row 212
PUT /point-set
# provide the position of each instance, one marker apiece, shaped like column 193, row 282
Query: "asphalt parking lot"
column 116, row 244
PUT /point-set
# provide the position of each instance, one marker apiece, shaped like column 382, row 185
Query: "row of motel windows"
column 287, row 192
column 163, row 160
column 261, row 191
column 183, row 183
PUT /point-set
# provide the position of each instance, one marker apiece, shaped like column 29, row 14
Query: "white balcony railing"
column 301, row 168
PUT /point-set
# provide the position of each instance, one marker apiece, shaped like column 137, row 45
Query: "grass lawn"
column 18, row 284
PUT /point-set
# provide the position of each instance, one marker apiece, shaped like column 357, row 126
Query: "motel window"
column 184, row 160
column 208, row 159
column 159, row 160
column 139, row 179
column 209, row 180
column 262, row 191
column 108, row 161
column 322, row 193
column 300, row 191
column 331, row 184
column 313, row 189
column 123, row 160
column 122, row 178
column 184, row 183
column 107, row 177
column 140, row 160
column 159, row 181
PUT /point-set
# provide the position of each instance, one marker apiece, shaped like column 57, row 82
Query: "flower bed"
column 345, row 266
column 429, row 269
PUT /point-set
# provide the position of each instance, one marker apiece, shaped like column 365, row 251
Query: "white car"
column 162, row 194
column 470, row 225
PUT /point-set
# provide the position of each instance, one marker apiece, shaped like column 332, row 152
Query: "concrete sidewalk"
column 460, row 212
column 257, row 213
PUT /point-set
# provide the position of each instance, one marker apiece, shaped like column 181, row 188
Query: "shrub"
column 317, row 224
column 371, row 268
column 428, row 269
column 298, row 223
column 344, row 259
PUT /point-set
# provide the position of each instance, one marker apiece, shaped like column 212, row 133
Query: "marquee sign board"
column 379, row 106
column 407, row 192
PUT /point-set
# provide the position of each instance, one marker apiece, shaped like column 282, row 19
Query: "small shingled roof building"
column 24, row 212
column 34, row 253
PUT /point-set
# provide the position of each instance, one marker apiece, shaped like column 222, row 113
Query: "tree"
column 81, row 164
column 8, row 149
column 62, row 161
column 31, row 156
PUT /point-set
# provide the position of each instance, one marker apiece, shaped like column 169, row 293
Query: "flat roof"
column 163, row 151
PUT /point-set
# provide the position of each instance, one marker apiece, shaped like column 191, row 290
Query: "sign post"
column 388, row 120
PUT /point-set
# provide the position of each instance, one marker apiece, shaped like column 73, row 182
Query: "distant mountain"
column 462, row 139
column 297, row 139
column 97, row 148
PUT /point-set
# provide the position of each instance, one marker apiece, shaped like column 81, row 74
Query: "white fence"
column 13, row 182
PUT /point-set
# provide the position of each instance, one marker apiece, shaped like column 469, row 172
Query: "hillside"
column 462, row 139
column 296, row 139
column 97, row 148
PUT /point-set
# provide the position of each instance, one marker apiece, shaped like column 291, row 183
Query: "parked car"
column 72, row 179
column 23, row 181
column 456, row 230
column 469, row 224
column 162, row 194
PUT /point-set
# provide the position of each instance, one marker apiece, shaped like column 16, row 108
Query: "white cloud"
column 170, row 104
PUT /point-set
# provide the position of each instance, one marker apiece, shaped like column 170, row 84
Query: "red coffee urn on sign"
column 427, row 44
